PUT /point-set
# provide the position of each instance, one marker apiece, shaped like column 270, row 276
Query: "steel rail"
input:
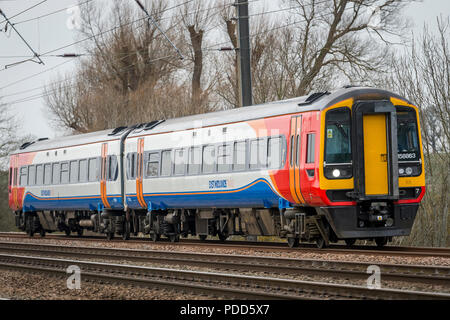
column 279, row 246
column 439, row 275
column 222, row 284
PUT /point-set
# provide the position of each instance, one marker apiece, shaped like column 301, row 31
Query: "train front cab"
column 372, row 178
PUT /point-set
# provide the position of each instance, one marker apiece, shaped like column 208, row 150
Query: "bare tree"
column 130, row 65
column 197, row 17
column 423, row 75
column 8, row 133
column 343, row 34
column 322, row 44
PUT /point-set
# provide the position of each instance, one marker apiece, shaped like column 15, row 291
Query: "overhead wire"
column 122, row 69
column 51, row 51
column 23, row 11
column 51, row 13
column 92, row 36
column 37, row 96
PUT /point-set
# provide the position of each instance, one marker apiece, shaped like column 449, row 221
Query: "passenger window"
column 83, row 171
column 112, row 168
column 56, row 173
column 311, row 148
column 48, row 173
column 195, row 160
column 262, row 153
column 31, row 175
column 258, row 153
column 39, row 175
column 93, row 173
column 10, row 175
column 132, row 161
column 275, row 152
column 133, row 165
column 209, row 157
column 109, row 167
column 73, row 171
column 292, row 151
column 64, row 173
column 166, row 163
column 23, row 176
column 253, row 154
column 152, row 165
column 180, row 161
column 239, row 156
column 224, row 158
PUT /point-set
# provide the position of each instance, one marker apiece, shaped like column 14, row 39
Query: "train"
column 345, row 164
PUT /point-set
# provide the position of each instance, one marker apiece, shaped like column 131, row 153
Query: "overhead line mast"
column 245, row 82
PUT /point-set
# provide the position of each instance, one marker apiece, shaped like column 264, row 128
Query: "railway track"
column 267, row 246
column 210, row 283
column 234, row 263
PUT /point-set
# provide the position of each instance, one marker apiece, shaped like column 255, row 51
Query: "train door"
column 294, row 158
column 139, row 172
column 375, row 144
column 103, row 176
column 13, row 181
column 375, row 154
column 308, row 160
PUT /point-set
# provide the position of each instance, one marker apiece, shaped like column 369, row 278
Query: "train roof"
column 312, row 102
column 66, row 141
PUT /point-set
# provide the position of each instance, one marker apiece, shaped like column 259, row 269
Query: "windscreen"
column 337, row 136
column 407, row 134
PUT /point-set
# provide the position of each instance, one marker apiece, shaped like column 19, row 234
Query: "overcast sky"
column 22, row 84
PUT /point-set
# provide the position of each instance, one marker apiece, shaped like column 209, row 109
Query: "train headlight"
column 389, row 222
column 406, row 170
column 336, row 173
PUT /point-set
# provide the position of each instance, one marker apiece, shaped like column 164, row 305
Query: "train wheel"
column 80, row 232
column 320, row 243
column 126, row 230
column 202, row 237
column 30, row 230
column 109, row 235
column 222, row 237
column 293, row 242
column 174, row 238
column 67, row 231
column 155, row 236
column 350, row 242
column 42, row 233
column 381, row 241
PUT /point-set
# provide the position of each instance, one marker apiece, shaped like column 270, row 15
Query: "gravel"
column 298, row 253
column 304, row 277
column 29, row 286
column 25, row 286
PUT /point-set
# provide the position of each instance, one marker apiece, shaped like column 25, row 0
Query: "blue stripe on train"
column 259, row 193
column 35, row 203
